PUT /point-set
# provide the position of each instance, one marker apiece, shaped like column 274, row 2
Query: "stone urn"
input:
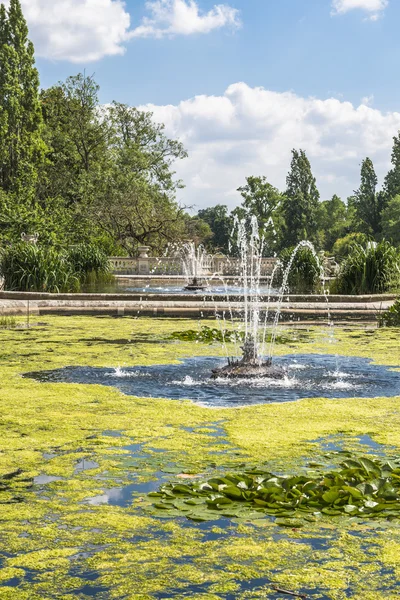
column 143, row 251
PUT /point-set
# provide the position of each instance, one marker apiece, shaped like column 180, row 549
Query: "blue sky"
column 327, row 68
column 282, row 45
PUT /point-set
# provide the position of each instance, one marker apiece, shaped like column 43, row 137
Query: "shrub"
column 370, row 269
column 30, row 268
column 305, row 272
column 88, row 259
column 342, row 246
column 391, row 317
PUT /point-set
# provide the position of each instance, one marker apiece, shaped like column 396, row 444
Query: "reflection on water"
column 307, row 376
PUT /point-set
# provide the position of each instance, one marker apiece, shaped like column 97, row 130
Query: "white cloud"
column 251, row 131
column 374, row 8
column 77, row 30
column 183, row 17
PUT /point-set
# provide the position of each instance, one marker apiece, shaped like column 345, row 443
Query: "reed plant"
column 31, row 268
column 372, row 268
column 89, row 262
column 305, row 272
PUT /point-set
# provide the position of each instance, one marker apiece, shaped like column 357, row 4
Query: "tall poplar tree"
column 367, row 201
column 21, row 145
column 392, row 180
column 301, row 201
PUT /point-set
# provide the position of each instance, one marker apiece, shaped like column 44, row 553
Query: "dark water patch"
column 307, row 376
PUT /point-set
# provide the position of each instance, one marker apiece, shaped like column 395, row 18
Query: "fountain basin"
column 307, row 376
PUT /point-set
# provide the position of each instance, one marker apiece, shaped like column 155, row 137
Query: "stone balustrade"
column 147, row 265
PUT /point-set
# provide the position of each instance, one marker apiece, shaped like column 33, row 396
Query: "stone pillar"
column 143, row 260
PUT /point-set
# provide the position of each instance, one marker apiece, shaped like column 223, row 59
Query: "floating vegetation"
column 207, row 335
column 360, row 488
column 8, row 322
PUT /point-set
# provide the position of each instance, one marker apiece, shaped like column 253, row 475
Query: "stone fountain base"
column 242, row 370
column 250, row 366
column 195, row 285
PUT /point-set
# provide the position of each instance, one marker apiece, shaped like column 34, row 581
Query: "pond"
column 305, row 376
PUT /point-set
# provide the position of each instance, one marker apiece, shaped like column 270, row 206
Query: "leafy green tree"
column 220, row 223
column 21, row 145
column 301, row 201
column 78, row 138
column 390, row 221
column 263, row 200
column 391, row 185
column 367, row 201
column 135, row 203
column 142, row 149
column 333, row 221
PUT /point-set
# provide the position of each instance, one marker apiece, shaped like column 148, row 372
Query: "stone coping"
column 196, row 298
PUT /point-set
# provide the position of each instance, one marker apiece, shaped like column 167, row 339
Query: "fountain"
column 194, row 260
column 253, row 363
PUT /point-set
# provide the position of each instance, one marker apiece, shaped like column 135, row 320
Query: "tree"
column 220, row 223
column 390, row 221
column 135, row 203
column 142, row 148
column 264, row 201
column 301, row 201
column 78, row 138
column 368, row 203
column 391, row 185
column 333, row 221
column 140, row 215
column 21, row 145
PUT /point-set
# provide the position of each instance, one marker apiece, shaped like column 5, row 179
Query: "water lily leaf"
column 350, row 509
column 354, row 492
column 370, row 467
column 294, row 523
column 330, row 496
column 331, row 511
column 233, row 492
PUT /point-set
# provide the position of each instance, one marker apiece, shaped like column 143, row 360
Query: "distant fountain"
column 195, row 260
column 254, row 360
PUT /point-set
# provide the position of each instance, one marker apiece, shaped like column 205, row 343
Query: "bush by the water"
column 31, row 268
column 372, row 268
column 391, row 317
column 305, row 272
column 88, row 260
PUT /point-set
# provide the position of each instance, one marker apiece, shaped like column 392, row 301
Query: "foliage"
column 87, row 259
column 26, row 267
column 332, row 220
column 207, row 335
column 305, row 272
column 362, row 487
column 263, row 200
column 301, row 201
column 368, row 202
column 342, row 246
column 370, row 269
column 21, row 144
column 391, row 220
column 391, row 317
column 221, row 225
column 392, row 180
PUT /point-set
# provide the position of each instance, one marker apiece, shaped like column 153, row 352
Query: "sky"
column 240, row 83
